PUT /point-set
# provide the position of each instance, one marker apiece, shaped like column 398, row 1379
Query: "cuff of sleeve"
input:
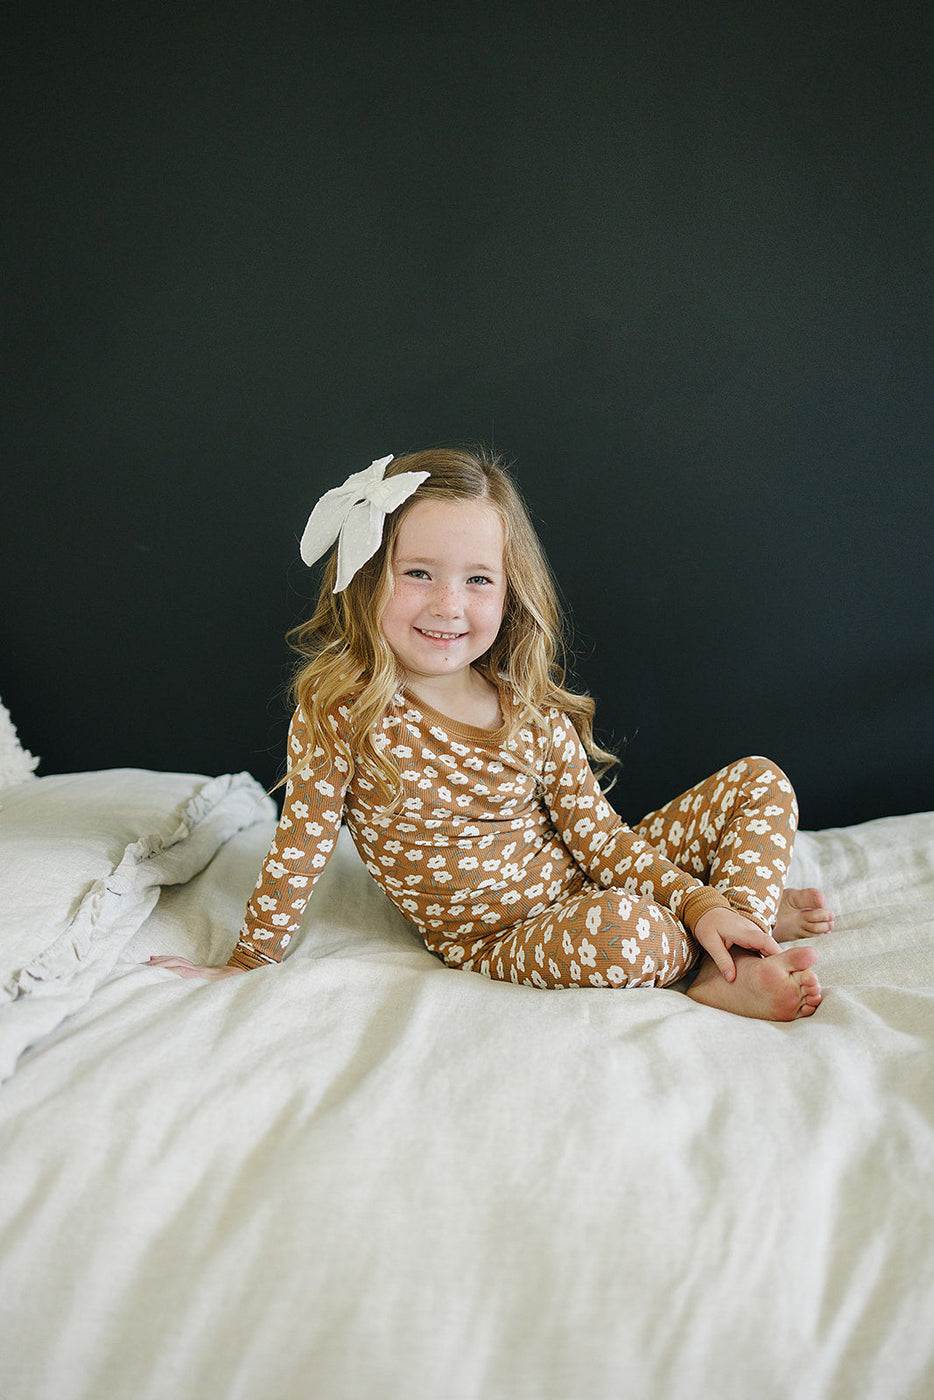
column 697, row 902
column 246, row 959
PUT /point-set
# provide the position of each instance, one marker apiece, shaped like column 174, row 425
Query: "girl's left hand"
column 720, row 929
column 183, row 967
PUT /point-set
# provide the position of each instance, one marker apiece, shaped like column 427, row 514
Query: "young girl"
column 433, row 718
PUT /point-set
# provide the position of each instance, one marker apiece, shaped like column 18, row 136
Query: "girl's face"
column 449, row 587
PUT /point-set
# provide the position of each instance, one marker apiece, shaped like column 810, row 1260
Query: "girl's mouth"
column 440, row 636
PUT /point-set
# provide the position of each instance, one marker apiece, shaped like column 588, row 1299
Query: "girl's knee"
column 755, row 771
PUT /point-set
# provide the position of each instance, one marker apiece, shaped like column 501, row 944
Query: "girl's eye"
column 415, row 573
column 479, row 578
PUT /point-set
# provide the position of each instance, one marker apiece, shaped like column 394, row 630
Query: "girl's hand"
column 721, row 929
column 183, row 968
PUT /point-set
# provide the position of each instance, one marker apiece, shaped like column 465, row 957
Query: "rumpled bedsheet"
column 364, row 1176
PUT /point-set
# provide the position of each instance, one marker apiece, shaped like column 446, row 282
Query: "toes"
column 810, row 992
column 805, row 899
column 817, row 921
column 799, row 959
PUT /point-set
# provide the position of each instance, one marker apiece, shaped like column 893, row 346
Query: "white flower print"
column 587, row 953
column 596, row 980
column 629, row 949
column 615, row 975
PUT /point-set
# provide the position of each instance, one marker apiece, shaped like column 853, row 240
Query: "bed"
column 364, row 1176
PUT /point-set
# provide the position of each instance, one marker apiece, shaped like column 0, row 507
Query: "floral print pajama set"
column 509, row 860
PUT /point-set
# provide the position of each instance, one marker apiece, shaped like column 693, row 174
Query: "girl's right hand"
column 182, row 967
column 721, row 929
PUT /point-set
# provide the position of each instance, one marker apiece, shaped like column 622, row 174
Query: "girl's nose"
column 445, row 600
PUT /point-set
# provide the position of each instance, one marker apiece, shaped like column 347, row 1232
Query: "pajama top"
column 491, row 834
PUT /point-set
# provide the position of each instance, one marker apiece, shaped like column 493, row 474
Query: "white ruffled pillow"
column 82, row 859
column 17, row 764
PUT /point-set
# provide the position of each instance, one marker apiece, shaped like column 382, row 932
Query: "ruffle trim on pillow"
column 115, row 906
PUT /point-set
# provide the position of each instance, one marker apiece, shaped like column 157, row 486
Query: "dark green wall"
column 677, row 263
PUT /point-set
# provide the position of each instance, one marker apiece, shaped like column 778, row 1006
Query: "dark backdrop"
column 676, row 261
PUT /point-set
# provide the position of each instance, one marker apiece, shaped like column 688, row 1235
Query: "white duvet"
column 364, row 1176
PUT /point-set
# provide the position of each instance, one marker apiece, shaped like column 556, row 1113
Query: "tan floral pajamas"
column 510, row 861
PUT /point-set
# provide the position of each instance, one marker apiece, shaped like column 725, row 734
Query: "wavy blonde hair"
column 345, row 659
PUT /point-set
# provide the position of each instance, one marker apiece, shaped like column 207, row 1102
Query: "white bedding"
column 365, row 1176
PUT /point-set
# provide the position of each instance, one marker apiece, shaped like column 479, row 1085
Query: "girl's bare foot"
column 782, row 987
column 802, row 914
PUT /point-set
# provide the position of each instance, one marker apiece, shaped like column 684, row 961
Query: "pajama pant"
column 734, row 831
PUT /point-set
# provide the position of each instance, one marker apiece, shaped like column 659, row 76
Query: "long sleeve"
column 603, row 845
column 300, row 849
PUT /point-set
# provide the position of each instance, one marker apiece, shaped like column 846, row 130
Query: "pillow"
column 82, row 859
column 16, row 763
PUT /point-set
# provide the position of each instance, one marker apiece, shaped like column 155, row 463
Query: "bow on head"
column 354, row 514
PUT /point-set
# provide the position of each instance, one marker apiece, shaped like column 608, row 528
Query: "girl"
column 432, row 716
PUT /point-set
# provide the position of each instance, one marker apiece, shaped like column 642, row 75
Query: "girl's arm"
column 604, row 846
column 300, row 849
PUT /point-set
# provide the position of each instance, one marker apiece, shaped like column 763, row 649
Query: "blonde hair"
column 346, row 661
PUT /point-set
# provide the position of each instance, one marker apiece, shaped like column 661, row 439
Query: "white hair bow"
column 354, row 514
